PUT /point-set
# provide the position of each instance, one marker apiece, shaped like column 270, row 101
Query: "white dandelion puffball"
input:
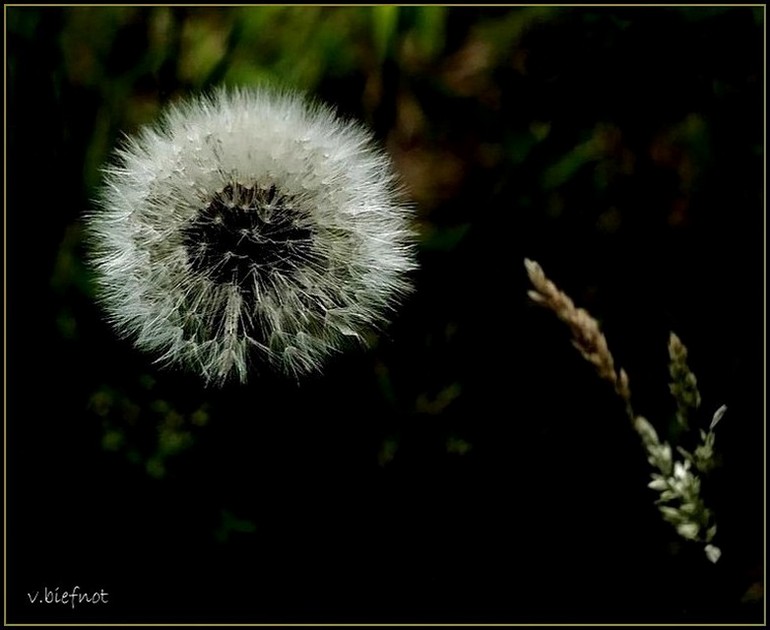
column 250, row 226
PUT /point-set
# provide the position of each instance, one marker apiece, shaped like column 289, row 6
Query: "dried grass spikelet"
column 684, row 384
column 587, row 337
column 680, row 502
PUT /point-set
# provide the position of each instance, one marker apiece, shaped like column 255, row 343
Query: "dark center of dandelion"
column 246, row 235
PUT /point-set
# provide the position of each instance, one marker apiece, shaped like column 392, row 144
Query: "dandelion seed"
column 250, row 226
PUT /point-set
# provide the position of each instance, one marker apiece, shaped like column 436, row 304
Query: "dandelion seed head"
column 250, row 226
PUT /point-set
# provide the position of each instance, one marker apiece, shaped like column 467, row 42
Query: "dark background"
column 471, row 466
